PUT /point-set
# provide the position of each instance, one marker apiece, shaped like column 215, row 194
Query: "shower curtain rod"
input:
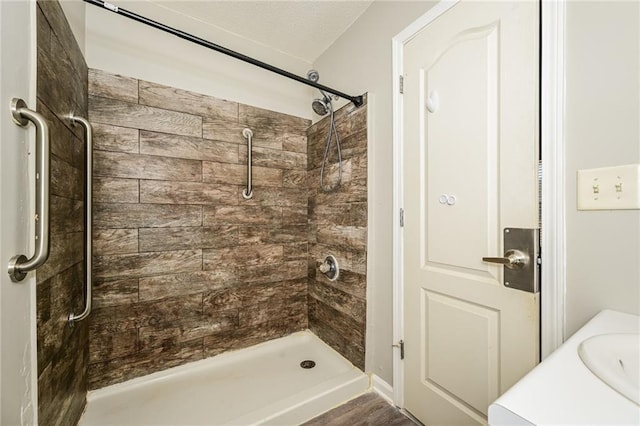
column 357, row 100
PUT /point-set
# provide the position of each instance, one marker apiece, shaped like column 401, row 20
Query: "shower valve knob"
column 330, row 268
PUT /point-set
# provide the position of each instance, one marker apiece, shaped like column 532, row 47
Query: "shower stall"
column 188, row 237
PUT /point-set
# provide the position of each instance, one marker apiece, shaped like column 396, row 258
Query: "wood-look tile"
column 66, row 215
column 236, row 174
column 125, row 114
column 114, row 292
column 115, row 241
column 61, row 84
column 369, row 409
column 147, row 263
column 145, row 215
column 343, row 324
column 224, row 131
column 352, row 192
column 241, row 255
column 165, row 192
column 66, row 181
column 184, row 238
column 294, row 215
column 138, row 166
column 245, row 337
column 194, row 148
column 113, row 138
column 65, row 250
column 56, row 96
column 60, row 27
column 349, row 237
column 43, row 31
column 115, row 190
column 276, row 308
column 65, row 145
column 113, row 86
column 170, row 285
column 270, row 196
column 266, row 157
column 349, row 282
column 142, row 314
column 296, row 251
column 285, row 235
column 344, row 302
column 359, row 262
column 259, row 118
column 354, row 353
column 289, row 270
column 185, row 330
column 295, row 142
column 107, row 344
column 242, row 214
column 294, row 178
column 117, row 370
column 157, row 95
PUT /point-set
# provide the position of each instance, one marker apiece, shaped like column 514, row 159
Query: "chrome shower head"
column 321, row 106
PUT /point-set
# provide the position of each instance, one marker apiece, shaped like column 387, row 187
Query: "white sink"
column 615, row 359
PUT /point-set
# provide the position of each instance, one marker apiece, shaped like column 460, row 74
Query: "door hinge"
column 401, row 218
column 400, row 345
column 401, row 84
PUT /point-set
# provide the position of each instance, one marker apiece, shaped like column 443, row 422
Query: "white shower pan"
column 263, row 384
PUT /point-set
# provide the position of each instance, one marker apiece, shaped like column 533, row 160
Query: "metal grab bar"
column 88, row 140
column 19, row 265
column 248, row 192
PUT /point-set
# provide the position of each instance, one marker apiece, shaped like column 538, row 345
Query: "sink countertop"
column 562, row 390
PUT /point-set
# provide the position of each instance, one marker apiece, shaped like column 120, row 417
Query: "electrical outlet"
column 609, row 188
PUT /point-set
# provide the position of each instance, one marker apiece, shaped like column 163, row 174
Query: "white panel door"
column 18, row 371
column 470, row 155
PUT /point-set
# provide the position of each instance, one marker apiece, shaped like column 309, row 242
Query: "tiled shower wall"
column 62, row 350
column 184, row 267
column 338, row 226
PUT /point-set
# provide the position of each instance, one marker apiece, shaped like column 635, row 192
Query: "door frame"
column 552, row 117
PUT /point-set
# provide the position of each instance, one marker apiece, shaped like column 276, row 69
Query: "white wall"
column 122, row 46
column 360, row 61
column 602, row 129
column 74, row 10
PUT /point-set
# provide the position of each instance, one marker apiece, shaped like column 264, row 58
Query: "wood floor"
column 369, row 409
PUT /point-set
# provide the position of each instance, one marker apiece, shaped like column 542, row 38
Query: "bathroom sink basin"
column 615, row 359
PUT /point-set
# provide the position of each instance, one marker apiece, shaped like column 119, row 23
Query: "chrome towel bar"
column 88, row 140
column 248, row 192
column 19, row 265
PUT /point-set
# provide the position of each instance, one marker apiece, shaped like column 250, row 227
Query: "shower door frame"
column 552, row 143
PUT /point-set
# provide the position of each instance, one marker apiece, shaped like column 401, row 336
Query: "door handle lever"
column 513, row 259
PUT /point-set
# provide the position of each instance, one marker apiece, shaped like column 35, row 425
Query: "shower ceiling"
column 303, row 29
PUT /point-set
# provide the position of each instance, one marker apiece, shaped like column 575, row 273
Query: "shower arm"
column 357, row 100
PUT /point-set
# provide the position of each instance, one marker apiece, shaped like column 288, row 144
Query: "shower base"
column 263, row 384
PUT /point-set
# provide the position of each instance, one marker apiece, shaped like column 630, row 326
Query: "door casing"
column 552, row 81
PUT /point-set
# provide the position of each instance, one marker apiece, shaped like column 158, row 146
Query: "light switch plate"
column 609, row 188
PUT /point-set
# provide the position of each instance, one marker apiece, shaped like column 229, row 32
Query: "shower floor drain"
column 307, row 363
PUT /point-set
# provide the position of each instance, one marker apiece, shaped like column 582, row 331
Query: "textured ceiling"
column 303, row 29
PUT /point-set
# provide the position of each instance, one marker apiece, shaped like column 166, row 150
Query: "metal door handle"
column 513, row 259
column 19, row 265
column 88, row 140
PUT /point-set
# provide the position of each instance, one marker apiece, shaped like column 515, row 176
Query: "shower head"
column 321, row 106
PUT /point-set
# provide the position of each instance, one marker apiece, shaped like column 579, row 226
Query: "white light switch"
column 609, row 188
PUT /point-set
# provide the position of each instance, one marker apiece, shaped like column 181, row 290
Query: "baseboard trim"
column 382, row 388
